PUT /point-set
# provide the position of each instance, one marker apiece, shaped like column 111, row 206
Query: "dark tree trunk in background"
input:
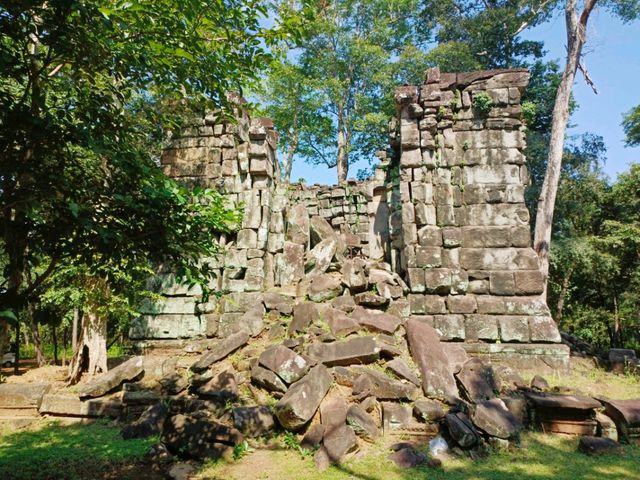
column 54, row 337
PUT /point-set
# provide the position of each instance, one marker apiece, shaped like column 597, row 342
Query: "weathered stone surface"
column 606, row 426
column 324, row 287
column 106, row 382
column 353, row 276
column 301, row 401
column 400, row 368
column 319, row 257
column 221, row 349
column 149, row 423
column 626, row 415
column 477, row 380
column 554, row 400
column 539, row 383
column 376, row 321
column 338, row 442
column 22, row 395
column 408, row 457
column 298, row 224
column 339, row 322
column 461, row 429
column 333, row 411
column 437, row 378
column 362, row 423
column 598, row 446
column 494, row 418
column 370, row 299
column 320, row 229
column 428, row 410
column 67, row 405
column 221, row 387
column 376, row 384
column 290, row 263
column 313, row 437
column 286, row 363
column 620, row 359
column 253, row 421
column 346, row 352
column 267, row 379
column 304, row 314
column 199, row 436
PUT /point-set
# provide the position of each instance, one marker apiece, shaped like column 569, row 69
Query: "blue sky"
column 613, row 61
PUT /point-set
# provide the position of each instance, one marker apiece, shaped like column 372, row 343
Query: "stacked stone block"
column 461, row 229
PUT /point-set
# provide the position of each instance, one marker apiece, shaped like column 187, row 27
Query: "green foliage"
column 241, row 450
column 57, row 451
column 290, row 441
column 631, row 126
column 88, row 91
column 482, row 103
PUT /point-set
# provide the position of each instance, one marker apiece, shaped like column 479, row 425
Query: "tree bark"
column 91, row 353
column 576, row 35
column 54, row 338
column 563, row 293
column 74, row 330
column 342, row 161
column 37, row 343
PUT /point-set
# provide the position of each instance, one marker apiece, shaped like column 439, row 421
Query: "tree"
column 87, row 92
column 345, row 70
column 576, row 28
column 631, row 126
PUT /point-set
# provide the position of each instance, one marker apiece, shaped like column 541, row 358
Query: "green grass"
column 539, row 457
column 77, row 451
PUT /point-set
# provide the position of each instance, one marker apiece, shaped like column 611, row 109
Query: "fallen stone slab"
column 267, row 379
column 539, row 383
column 333, row 411
column 139, row 397
column 303, row 398
column 339, row 322
column 221, row 349
column 598, row 446
column 149, row 423
column 570, row 414
column 253, row 421
column 461, row 429
column 626, row 415
column 493, row 418
column 353, row 276
column 69, row 405
column 437, row 377
column 285, row 363
column 22, row 395
column 554, row 400
column 370, row 299
column 222, row 386
column 478, row 381
column 408, row 457
column 338, row 442
column 304, row 314
column 324, row 287
column 359, row 350
column 104, row 383
column 319, row 257
column 375, row 384
column 376, row 321
column 397, row 419
column 428, row 410
column 362, row 423
column 313, row 437
column 199, row 436
column 400, row 368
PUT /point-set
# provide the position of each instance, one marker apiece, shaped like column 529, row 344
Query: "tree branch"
column 587, row 78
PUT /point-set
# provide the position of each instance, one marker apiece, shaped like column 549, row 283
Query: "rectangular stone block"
column 502, row 283
column 428, row 257
column 430, row 236
column 498, row 259
column 526, row 306
column 497, row 214
column 481, row 328
column 437, row 280
column 426, row 304
column 543, row 329
column 411, row 158
column 490, row 304
column 451, row 236
column 450, row 327
column 462, row 303
column 416, row 279
column 166, row 326
column 514, row 328
column 481, row 174
column 425, row 214
column 529, row 282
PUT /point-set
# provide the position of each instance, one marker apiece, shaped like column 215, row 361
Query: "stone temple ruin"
column 400, row 306
column 440, row 234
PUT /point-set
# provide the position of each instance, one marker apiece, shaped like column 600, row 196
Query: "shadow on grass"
column 538, row 457
column 76, row 451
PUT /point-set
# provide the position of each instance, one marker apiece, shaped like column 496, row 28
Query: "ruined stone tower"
column 445, row 212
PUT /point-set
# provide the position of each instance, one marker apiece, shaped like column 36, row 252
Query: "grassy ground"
column 538, row 457
column 50, row 450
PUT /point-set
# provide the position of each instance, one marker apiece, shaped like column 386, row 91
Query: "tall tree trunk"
column 74, row 329
column 91, row 353
column 37, row 340
column 288, row 166
column 54, row 338
column 563, row 293
column 576, row 35
column 343, row 151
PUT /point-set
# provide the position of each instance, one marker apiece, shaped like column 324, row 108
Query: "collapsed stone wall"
column 446, row 213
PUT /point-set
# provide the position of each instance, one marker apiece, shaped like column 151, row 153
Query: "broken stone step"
column 358, row 350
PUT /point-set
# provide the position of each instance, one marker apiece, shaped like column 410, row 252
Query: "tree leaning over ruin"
column 87, row 92
column 576, row 27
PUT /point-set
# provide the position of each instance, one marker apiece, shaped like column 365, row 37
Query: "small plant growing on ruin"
column 241, row 450
column 482, row 103
column 529, row 111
